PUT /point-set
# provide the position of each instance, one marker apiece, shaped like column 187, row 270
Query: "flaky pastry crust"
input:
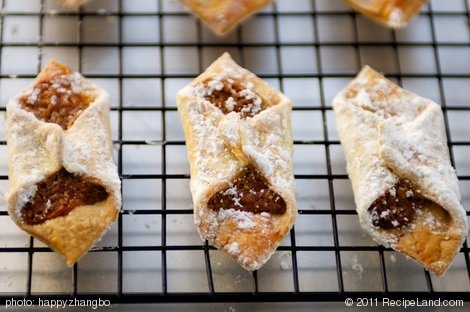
column 223, row 15
column 390, row 136
column 221, row 145
column 38, row 149
column 391, row 13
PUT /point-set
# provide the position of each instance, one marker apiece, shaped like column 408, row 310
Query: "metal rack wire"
column 103, row 36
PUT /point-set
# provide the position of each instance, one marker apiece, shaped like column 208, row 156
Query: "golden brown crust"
column 432, row 239
column 77, row 232
column 38, row 149
column 221, row 145
column 392, row 13
column 224, row 15
column 435, row 251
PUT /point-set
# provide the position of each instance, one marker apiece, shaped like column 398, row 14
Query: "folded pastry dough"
column 72, row 4
column 64, row 186
column 223, row 15
column 239, row 140
column 405, row 189
column 392, row 13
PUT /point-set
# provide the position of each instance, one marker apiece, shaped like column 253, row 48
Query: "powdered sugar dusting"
column 244, row 220
column 397, row 135
column 66, row 84
column 233, row 248
column 357, row 266
column 34, row 96
column 230, row 94
column 254, row 135
column 40, row 148
column 397, row 19
column 430, row 221
column 227, row 125
column 24, row 197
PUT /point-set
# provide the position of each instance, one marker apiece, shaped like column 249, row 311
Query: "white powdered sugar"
column 384, row 214
column 24, row 196
column 230, row 104
column 397, row 19
column 53, row 100
column 215, row 84
column 265, row 214
column 255, row 100
column 34, row 96
column 357, row 266
column 243, row 219
column 206, row 119
column 252, row 103
column 432, row 222
column 233, row 248
column 231, row 191
column 40, row 148
column 77, row 83
column 390, row 134
column 64, row 85
column 229, row 127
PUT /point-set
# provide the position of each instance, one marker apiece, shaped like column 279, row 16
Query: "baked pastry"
column 405, row 188
column 239, row 140
column 392, row 13
column 223, row 15
column 64, row 186
column 72, row 4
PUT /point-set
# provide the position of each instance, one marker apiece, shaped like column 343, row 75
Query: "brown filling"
column 397, row 208
column 420, row 225
column 249, row 192
column 59, row 194
column 54, row 100
column 402, row 205
column 234, row 97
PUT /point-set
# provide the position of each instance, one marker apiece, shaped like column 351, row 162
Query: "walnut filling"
column 59, row 194
column 397, row 207
column 249, row 192
column 421, row 226
column 402, row 205
column 56, row 98
column 231, row 96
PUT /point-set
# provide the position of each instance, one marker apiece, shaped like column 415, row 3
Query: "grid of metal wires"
column 309, row 49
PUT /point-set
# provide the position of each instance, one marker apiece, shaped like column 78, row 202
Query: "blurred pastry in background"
column 72, row 4
column 392, row 13
column 223, row 15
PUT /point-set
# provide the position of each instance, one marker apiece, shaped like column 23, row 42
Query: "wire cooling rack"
column 142, row 52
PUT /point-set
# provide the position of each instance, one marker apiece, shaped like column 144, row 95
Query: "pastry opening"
column 231, row 96
column 248, row 191
column 403, row 205
column 59, row 194
column 57, row 96
column 421, row 227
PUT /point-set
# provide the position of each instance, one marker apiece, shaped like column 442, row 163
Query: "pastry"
column 405, row 189
column 223, row 15
column 72, row 4
column 64, row 186
column 239, row 141
column 392, row 13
